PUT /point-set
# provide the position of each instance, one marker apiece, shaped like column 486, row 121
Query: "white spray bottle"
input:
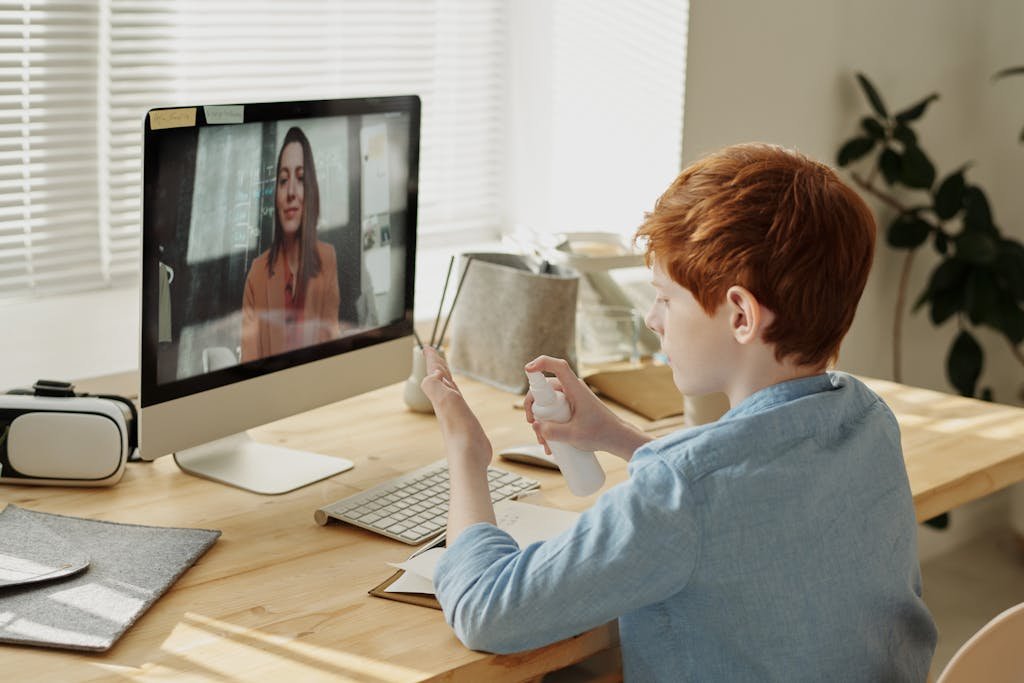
column 581, row 470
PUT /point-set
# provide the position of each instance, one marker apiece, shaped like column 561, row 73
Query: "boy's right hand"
column 592, row 427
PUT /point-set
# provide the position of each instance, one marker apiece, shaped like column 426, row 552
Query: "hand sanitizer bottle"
column 581, row 470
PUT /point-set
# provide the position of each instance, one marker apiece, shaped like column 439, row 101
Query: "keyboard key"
column 385, row 522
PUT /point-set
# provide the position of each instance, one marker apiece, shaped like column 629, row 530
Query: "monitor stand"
column 258, row 467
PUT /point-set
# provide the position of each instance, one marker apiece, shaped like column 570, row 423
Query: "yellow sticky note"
column 172, row 118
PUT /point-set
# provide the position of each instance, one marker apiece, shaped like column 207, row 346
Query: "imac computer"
column 278, row 254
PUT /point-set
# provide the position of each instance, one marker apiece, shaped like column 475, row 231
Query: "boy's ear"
column 746, row 315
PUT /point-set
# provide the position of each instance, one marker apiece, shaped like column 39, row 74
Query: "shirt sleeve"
column 637, row 545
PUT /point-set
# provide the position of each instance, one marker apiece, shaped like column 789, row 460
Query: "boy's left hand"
column 466, row 442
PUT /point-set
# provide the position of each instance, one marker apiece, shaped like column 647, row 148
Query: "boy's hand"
column 593, row 427
column 466, row 442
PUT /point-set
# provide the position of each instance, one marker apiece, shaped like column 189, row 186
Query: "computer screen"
column 278, row 261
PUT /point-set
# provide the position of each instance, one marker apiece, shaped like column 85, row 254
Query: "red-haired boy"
column 777, row 543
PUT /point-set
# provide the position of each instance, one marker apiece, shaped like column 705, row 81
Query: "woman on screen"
column 291, row 293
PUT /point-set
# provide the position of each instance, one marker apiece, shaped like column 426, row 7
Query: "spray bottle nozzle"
column 539, row 387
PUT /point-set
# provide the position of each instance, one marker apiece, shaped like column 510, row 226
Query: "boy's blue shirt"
column 778, row 543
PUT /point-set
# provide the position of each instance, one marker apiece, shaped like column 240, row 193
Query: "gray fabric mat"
column 131, row 566
column 31, row 553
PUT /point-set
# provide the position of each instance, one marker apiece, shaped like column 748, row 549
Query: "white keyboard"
column 413, row 508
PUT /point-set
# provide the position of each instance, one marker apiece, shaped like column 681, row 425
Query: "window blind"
column 76, row 79
column 596, row 127
column 49, row 192
column 618, row 87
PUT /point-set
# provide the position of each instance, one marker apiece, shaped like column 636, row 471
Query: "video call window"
column 277, row 236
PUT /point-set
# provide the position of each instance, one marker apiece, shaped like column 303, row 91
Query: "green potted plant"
column 1017, row 497
column 979, row 279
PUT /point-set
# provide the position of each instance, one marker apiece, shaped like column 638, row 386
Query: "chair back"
column 995, row 654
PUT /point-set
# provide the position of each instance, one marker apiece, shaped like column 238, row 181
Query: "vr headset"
column 51, row 435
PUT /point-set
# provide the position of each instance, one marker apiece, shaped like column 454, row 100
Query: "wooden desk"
column 956, row 449
column 280, row 598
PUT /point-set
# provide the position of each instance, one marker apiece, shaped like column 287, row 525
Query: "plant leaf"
column 908, row 232
column 977, row 214
column 1010, row 266
column 917, row 170
column 980, row 295
column 948, row 275
column 944, row 304
column 922, row 299
column 975, row 247
column 872, row 95
column 890, row 163
column 1010, row 319
column 1011, row 71
column 915, row 112
column 963, row 365
column 854, row 149
column 905, row 134
column 873, row 127
column 949, row 198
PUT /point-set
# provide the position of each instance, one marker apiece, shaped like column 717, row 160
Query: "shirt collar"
column 781, row 393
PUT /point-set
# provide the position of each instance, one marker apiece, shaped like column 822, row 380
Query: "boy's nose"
column 651, row 321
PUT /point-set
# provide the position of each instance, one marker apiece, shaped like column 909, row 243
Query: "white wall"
column 69, row 337
column 783, row 72
column 595, row 98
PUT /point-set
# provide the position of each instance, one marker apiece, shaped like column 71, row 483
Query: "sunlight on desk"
column 236, row 652
column 957, row 449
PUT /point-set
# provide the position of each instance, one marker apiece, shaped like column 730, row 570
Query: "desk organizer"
column 512, row 309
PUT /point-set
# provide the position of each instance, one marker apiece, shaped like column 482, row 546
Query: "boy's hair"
column 777, row 223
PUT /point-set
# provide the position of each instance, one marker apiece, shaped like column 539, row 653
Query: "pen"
column 455, row 300
column 440, row 306
column 432, row 543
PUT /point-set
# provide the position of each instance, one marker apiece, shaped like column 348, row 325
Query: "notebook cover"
column 31, row 553
column 648, row 391
column 420, row 599
column 131, row 567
